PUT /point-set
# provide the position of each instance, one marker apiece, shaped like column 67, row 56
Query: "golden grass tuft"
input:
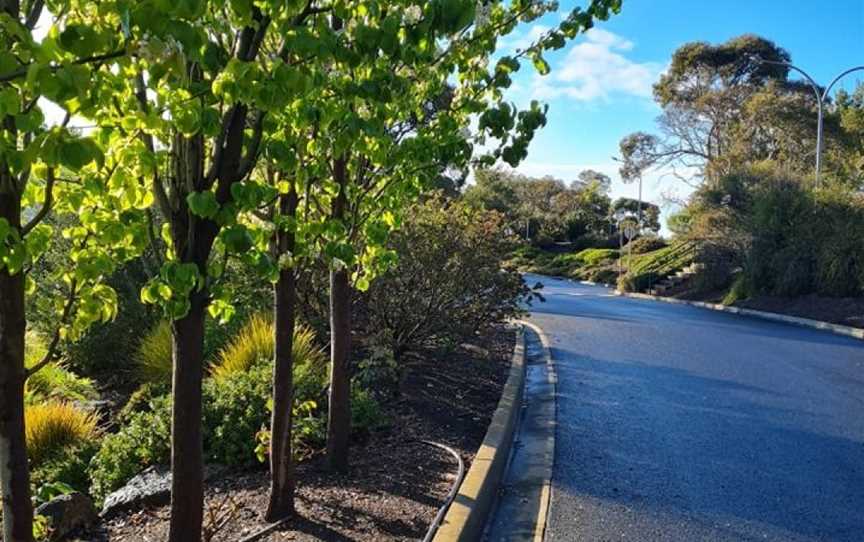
column 153, row 360
column 255, row 344
column 54, row 425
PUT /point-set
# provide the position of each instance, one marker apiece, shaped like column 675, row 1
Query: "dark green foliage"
column 144, row 440
column 69, row 465
column 235, row 410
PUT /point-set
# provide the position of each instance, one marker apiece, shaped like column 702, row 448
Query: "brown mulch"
column 847, row 311
column 396, row 484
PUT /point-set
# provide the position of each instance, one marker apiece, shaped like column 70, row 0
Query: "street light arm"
column 819, row 97
column 847, row 72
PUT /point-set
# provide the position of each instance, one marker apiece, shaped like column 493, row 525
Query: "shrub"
column 236, row 410
column 594, row 256
column 366, row 413
column 54, row 380
column 153, row 358
column 143, row 441
column 254, row 346
column 68, row 466
column 449, row 282
column 55, row 425
column 642, row 245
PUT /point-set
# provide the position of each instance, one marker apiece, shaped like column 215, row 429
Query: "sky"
column 599, row 89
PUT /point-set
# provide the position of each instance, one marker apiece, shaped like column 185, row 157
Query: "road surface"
column 678, row 423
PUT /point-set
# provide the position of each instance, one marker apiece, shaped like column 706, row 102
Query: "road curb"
column 466, row 518
column 837, row 329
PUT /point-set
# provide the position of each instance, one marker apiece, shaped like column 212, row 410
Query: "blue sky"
column 600, row 86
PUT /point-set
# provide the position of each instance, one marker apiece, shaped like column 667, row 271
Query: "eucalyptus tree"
column 45, row 168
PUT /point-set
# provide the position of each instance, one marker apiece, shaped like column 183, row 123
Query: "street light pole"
column 821, row 97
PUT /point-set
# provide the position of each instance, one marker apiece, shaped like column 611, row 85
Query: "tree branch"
column 55, row 339
column 15, row 74
column 46, row 204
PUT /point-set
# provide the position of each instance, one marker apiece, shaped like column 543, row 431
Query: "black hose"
column 439, row 517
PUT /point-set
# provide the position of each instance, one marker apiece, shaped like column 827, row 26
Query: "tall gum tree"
column 47, row 170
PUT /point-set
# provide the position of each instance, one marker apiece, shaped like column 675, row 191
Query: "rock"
column 67, row 513
column 150, row 488
column 475, row 350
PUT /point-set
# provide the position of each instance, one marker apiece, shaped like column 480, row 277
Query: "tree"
column 47, row 170
column 723, row 107
column 630, row 208
column 389, row 145
column 196, row 95
column 600, row 182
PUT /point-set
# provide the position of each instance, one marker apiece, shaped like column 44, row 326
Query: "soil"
column 396, row 483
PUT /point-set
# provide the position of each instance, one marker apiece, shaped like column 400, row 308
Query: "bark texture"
column 282, row 482
column 339, row 414
column 14, row 473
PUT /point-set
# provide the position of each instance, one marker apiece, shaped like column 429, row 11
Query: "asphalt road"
column 678, row 423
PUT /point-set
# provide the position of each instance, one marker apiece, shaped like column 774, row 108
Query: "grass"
column 648, row 268
column 153, row 358
column 55, row 425
column 255, row 344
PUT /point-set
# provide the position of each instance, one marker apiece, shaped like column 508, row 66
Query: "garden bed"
column 396, row 484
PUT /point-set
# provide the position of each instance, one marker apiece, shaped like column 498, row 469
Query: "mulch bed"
column 396, row 484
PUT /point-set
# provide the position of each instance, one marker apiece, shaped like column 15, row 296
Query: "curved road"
column 678, row 423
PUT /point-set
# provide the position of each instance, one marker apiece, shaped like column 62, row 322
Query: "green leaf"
column 540, row 64
column 203, row 204
column 237, row 239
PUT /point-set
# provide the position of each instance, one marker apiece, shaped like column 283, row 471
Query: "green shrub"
column 366, row 413
column 53, row 426
column 740, row 290
column 153, row 358
column 236, row 410
column 68, row 466
column 144, row 440
column 594, row 256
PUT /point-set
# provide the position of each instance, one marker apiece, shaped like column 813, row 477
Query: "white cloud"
column 522, row 40
column 596, row 68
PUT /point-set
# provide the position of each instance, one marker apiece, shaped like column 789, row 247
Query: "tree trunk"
column 187, row 465
column 339, row 413
column 284, row 301
column 193, row 240
column 14, row 473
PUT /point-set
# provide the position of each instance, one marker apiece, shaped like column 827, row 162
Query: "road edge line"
column 546, row 492
column 837, row 329
column 468, row 513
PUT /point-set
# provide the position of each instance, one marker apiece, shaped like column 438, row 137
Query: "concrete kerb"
column 467, row 515
column 837, row 329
